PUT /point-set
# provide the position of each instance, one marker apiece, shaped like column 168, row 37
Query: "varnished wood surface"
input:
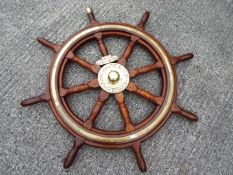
column 103, row 96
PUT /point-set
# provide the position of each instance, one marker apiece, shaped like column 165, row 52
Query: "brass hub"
column 113, row 78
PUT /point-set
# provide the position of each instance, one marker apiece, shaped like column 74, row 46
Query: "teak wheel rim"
column 76, row 128
column 98, row 130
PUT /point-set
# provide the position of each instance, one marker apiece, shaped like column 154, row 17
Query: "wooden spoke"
column 98, row 36
column 79, row 88
column 144, row 69
column 143, row 93
column 48, row 44
column 96, row 109
column 101, row 44
column 184, row 57
column 136, row 146
column 129, row 49
column 73, row 152
column 143, row 20
column 124, row 112
column 133, row 40
column 186, row 114
column 92, row 67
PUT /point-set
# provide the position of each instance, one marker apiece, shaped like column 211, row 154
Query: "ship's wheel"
column 113, row 78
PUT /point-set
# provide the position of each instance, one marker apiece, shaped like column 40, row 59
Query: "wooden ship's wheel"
column 113, row 78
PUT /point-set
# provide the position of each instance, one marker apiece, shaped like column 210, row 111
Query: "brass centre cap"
column 113, row 78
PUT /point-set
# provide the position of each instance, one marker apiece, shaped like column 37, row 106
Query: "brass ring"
column 117, row 139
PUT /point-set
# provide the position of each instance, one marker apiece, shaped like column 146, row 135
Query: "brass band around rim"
column 88, row 134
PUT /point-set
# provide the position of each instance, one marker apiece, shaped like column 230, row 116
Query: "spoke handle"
column 34, row 100
column 143, row 20
column 140, row 159
column 91, row 16
column 182, row 58
column 48, row 44
column 188, row 115
column 73, row 152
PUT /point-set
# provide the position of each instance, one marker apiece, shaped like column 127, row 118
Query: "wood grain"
column 145, row 94
column 79, row 88
column 124, row 112
column 144, row 69
column 92, row 67
column 96, row 109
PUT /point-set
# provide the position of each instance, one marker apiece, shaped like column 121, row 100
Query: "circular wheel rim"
column 98, row 130
column 74, row 127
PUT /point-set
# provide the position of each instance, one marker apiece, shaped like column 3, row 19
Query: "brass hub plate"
column 113, row 78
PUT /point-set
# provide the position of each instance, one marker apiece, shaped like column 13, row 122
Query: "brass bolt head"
column 113, row 77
